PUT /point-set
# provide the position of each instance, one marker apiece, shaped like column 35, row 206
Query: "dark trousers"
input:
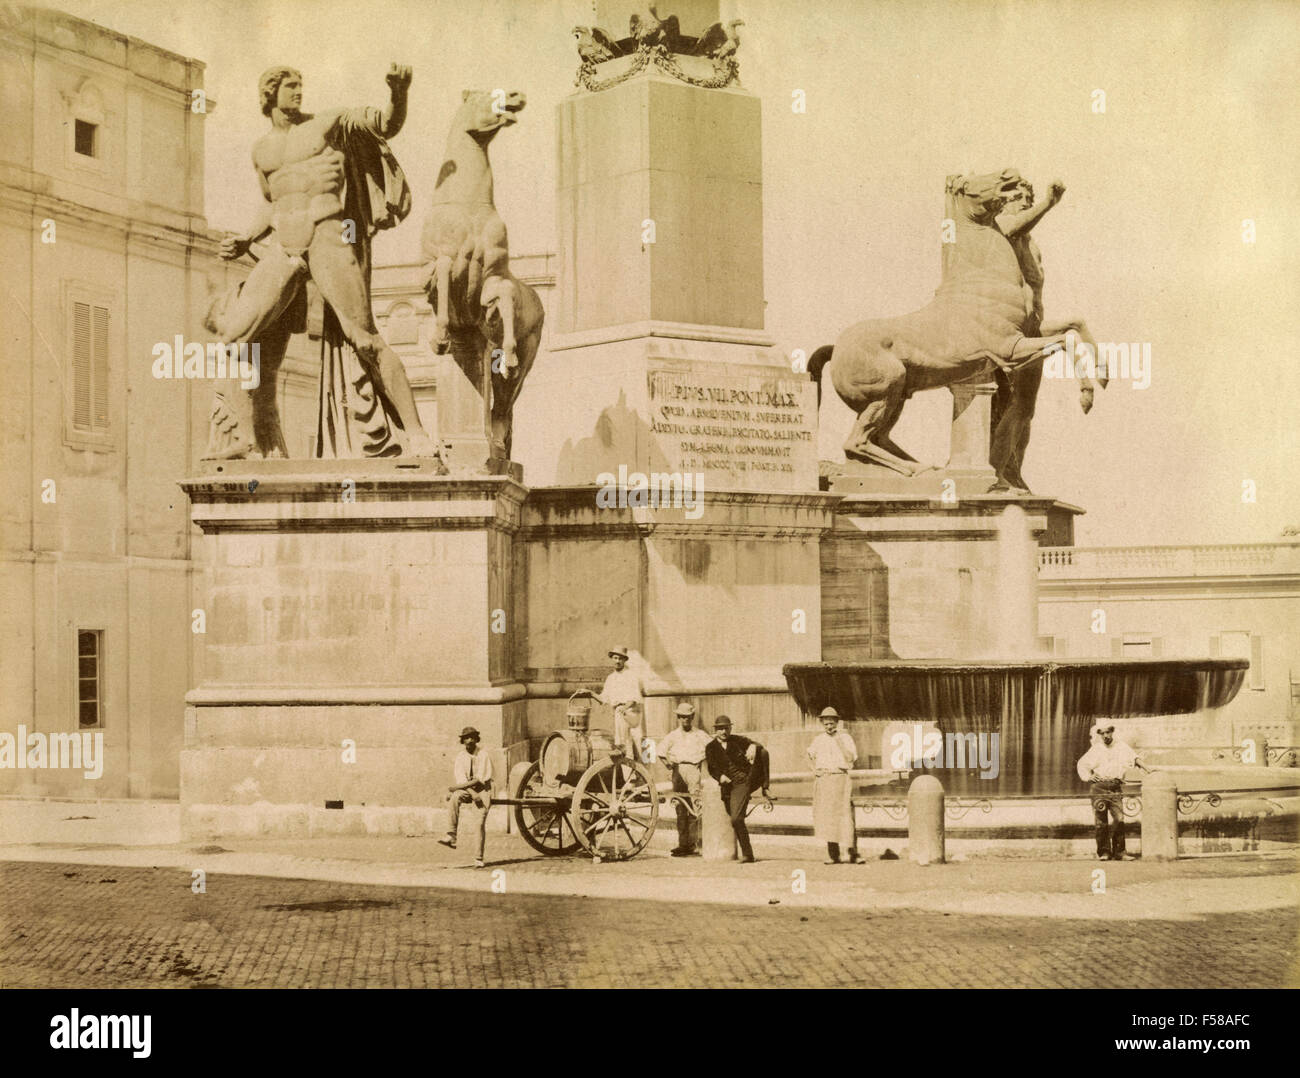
column 1108, row 815
column 735, row 795
column 686, row 779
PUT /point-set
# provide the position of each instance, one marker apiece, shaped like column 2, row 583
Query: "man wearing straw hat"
column 683, row 750
column 624, row 693
column 832, row 754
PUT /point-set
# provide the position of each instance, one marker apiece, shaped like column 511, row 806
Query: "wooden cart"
column 584, row 793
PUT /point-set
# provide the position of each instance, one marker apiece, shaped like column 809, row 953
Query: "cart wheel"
column 546, row 828
column 615, row 808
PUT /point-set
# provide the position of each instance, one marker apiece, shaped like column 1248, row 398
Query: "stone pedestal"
column 358, row 615
column 712, row 607
column 917, row 578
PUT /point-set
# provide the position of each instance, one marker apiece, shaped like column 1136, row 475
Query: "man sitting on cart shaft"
column 471, row 785
column 624, row 693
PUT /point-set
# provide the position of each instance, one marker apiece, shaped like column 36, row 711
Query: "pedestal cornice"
column 573, row 513
column 332, row 495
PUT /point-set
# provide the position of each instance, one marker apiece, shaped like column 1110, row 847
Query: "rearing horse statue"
column 981, row 321
column 467, row 258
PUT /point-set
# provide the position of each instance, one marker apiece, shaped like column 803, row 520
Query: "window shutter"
column 1256, row 672
column 99, row 373
column 81, row 347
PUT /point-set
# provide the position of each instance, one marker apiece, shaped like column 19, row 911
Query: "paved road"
column 95, row 927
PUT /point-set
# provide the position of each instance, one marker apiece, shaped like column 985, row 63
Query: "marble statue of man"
column 1018, row 390
column 330, row 182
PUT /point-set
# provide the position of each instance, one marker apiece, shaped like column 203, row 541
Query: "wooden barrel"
column 566, row 754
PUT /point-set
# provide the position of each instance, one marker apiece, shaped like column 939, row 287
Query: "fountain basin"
column 1041, row 711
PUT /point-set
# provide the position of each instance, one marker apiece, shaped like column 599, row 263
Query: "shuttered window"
column 90, row 652
column 89, row 367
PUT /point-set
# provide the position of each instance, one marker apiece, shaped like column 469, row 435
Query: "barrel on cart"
column 584, row 792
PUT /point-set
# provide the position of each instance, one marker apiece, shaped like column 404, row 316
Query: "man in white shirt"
column 1104, row 766
column 833, row 754
column 682, row 750
column 471, row 785
column 624, row 693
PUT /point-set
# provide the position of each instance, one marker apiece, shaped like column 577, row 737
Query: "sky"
column 1198, row 135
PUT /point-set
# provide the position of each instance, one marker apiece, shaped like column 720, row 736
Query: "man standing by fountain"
column 1104, row 766
column 833, row 754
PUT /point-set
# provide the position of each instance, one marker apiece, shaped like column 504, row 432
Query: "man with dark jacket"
column 739, row 766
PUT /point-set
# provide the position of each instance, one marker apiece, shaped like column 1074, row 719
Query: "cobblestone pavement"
column 72, row 925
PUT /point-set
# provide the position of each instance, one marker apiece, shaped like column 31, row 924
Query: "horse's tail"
column 816, row 362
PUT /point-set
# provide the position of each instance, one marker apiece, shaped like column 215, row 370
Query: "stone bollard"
column 717, row 839
column 925, row 821
column 1160, row 817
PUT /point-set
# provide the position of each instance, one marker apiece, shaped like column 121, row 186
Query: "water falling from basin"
column 1041, row 711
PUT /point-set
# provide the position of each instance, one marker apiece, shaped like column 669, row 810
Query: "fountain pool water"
column 1042, row 710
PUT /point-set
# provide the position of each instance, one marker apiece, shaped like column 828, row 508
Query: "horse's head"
column 484, row 112
column 981, row 198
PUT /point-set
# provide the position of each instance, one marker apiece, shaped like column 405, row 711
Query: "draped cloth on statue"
column 354, row 419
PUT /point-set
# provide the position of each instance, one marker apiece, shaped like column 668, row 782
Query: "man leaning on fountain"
column 1104, row 766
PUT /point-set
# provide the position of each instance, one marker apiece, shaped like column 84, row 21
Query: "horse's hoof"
column 442, row 347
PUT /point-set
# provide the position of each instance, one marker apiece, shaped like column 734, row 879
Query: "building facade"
column 105, row 249
column 1233, row 600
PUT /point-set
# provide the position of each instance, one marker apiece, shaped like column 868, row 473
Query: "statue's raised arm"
column 399, row 85
column 1017, row 224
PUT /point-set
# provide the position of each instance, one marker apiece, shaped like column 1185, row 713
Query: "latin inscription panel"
column 744, row 431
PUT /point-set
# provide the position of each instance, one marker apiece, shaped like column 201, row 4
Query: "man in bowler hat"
column 739, row 766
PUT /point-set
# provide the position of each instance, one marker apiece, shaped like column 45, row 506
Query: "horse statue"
column 982, row 323
column 474, row 295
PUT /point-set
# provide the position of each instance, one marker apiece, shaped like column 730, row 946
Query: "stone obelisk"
column 659, row 359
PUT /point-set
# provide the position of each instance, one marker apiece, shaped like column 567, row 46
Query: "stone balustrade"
column 1137, row 561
